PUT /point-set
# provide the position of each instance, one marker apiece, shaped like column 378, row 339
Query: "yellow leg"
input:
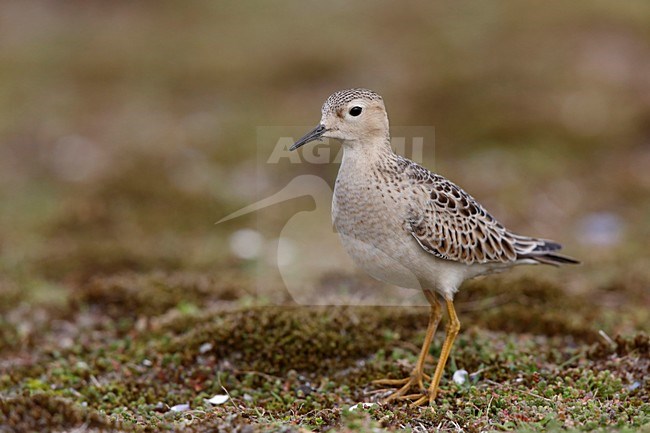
column 452, row 330
column 417, row 376
column 434, row 319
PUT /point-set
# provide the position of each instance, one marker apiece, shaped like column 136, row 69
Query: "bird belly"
column 378, row 263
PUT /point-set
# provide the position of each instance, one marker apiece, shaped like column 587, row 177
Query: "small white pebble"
column 363, row 406
column 205, row 347
column 180, row 407
column 219, row 399
column 147, row 363
column 460, row 376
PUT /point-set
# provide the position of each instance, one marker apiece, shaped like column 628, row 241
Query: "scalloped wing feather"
column 450, row 224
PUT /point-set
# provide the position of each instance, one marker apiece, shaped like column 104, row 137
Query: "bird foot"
column 426, row 397
column 418, row 399
column 415, row 380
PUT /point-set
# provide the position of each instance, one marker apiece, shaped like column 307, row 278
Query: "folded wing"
column 450, row 224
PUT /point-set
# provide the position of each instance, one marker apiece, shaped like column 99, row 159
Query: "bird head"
column 352, row 116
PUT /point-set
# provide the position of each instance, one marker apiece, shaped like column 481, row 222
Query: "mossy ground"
column 297, row 367
column 128, row 128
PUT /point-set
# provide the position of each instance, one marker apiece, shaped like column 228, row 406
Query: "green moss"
column 301, row 365
column 40, row 412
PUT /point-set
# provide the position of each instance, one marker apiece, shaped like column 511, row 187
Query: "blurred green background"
column 128, row 128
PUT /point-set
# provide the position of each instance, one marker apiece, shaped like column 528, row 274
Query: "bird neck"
column 367, row 150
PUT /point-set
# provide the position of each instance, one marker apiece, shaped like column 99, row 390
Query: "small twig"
column 375, row 391
column 570, row 360
column 457, row 426
column 532, row 394
column 487, row 413
column 482, row 370
column 226, row 391
column 607, row 338
column 94, row 381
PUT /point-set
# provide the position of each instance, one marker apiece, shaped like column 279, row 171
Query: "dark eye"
column 355, row 111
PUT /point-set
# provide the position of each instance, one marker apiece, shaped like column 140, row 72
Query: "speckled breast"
column 363, row 214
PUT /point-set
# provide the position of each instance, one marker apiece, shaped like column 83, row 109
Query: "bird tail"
column 555, row 259
column 542, row 251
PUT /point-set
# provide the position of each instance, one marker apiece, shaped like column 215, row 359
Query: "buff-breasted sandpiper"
column 413, row 228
